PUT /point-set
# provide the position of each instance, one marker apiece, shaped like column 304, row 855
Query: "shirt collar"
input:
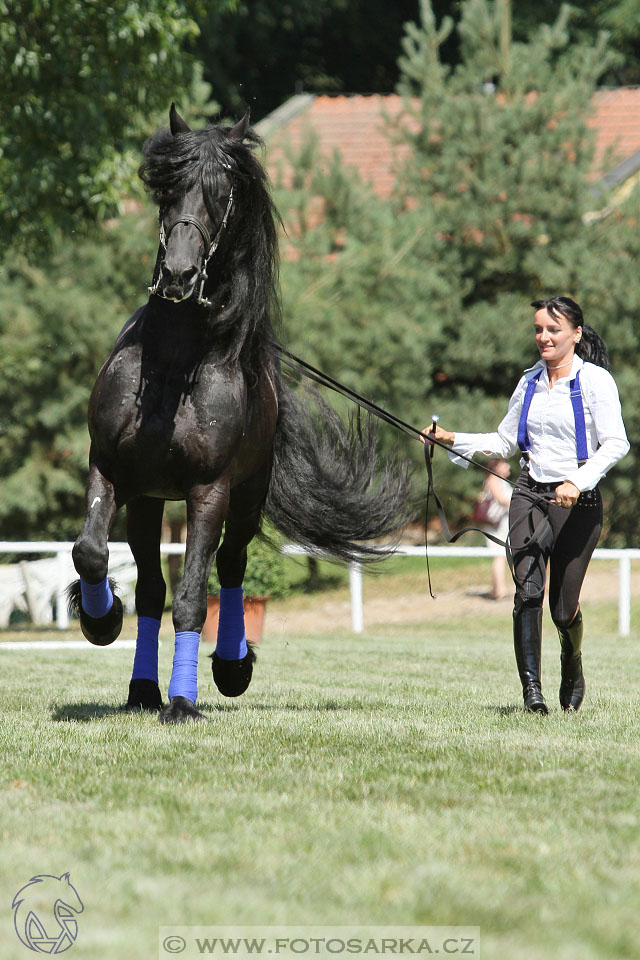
column 577, row 364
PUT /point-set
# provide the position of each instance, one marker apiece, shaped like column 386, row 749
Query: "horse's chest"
column 195, row 432
column 170, row 428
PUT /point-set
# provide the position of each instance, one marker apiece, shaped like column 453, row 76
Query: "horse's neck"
column 177, row 336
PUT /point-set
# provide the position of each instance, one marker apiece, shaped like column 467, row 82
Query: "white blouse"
column 551, row 428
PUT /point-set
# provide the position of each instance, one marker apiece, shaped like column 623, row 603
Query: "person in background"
column 565, row 418
column 493, row 511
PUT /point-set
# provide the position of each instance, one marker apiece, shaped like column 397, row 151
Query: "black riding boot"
column 527, row 642
column 572, row 685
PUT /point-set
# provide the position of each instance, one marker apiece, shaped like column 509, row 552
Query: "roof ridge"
column 284, row 114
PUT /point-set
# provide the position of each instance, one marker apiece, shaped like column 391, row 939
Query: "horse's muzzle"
column 176, row 291
column 176, row 284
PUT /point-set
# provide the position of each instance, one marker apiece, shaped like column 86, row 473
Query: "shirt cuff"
column 465, row 444
column 584, row 479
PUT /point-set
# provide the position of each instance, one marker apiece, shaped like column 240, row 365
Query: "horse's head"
column 192, row 179
column 216, row 217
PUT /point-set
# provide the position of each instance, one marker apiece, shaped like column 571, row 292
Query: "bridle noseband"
column 210, row 247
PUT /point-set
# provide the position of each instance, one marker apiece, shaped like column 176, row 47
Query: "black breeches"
column 566, row 542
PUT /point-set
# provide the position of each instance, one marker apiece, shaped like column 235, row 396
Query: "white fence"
column 624, row 558
column 48, row 587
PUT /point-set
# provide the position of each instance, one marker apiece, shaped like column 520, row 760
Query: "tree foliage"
column 265, row 51
column 619, row 18
column 80, row 80
column 56, row 328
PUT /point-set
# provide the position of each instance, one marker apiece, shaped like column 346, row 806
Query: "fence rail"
column 65, row 570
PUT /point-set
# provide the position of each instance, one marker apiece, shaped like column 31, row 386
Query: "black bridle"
column 210, row 247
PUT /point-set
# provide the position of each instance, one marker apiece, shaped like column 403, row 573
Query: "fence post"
column 355, row 585
column 624, row 596
column 62, row 614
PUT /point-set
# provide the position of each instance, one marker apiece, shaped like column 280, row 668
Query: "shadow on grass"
column 84, row 711
column 505, row 710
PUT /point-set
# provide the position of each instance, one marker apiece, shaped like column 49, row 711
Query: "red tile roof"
column 616, row 121
column 355, row 126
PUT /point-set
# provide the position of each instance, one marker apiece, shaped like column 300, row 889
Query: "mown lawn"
column 389, row 778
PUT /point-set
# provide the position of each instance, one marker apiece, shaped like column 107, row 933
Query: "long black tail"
column 329, row 492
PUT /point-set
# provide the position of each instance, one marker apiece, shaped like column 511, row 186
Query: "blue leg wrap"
column 97, row 598
column 232, row 642
column 145, row 662
column 184, row 676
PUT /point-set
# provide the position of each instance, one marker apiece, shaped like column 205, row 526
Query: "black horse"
column 191, row 405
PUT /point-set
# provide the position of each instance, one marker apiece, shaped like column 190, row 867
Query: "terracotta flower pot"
column 254, row 614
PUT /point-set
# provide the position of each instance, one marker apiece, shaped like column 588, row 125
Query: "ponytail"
column 591, row 347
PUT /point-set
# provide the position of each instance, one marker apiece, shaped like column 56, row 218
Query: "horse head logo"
column 44, row 914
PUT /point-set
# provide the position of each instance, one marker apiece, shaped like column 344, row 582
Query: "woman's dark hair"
column 591, row 347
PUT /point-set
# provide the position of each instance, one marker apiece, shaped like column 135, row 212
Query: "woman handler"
column 565, row 417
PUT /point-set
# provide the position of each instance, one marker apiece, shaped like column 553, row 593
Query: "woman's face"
column 555, row 337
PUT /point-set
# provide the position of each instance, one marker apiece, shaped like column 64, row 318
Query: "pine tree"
column 500, row 157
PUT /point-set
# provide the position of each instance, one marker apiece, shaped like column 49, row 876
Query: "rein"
column 210, row 247
column 318, row 376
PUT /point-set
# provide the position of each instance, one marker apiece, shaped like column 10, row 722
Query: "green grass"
column 389, row 778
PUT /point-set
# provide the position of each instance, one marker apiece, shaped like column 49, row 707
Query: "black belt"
column 588, row 498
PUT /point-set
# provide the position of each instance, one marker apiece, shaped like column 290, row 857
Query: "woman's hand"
column 442, row 435
column 567, row 494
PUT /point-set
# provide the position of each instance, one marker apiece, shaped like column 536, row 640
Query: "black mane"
column 244, row 304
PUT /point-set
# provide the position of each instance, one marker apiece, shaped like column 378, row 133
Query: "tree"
column 619, row 18
column 356, row 275
column 270, row 49
column 56, row 327
column 80, row 81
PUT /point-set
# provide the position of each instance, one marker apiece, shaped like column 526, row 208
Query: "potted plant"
column 264, row 579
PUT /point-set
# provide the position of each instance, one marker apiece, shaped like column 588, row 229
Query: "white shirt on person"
column 551, row 427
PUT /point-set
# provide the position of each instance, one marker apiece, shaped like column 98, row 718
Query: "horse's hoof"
column 143, row 695
column 101, row 631
column 180, row 710
column 232, row 677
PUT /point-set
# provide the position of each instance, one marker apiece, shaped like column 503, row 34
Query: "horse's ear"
column 176, row 123
column 239, row 130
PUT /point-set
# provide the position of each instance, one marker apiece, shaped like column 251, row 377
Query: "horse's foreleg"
column 206, row 510
column 232, row 660
column 144, row 528
column 92, row 597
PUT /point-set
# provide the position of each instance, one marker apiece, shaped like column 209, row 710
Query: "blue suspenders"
column 578, row 416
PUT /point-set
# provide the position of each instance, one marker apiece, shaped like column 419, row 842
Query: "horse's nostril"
column 188, row 276
column 174, row 275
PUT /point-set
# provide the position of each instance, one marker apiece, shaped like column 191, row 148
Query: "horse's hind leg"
column 92, row 597
column 232, row 661
column 144, row 528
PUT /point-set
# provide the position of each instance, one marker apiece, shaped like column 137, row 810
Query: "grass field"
column 389, row 778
